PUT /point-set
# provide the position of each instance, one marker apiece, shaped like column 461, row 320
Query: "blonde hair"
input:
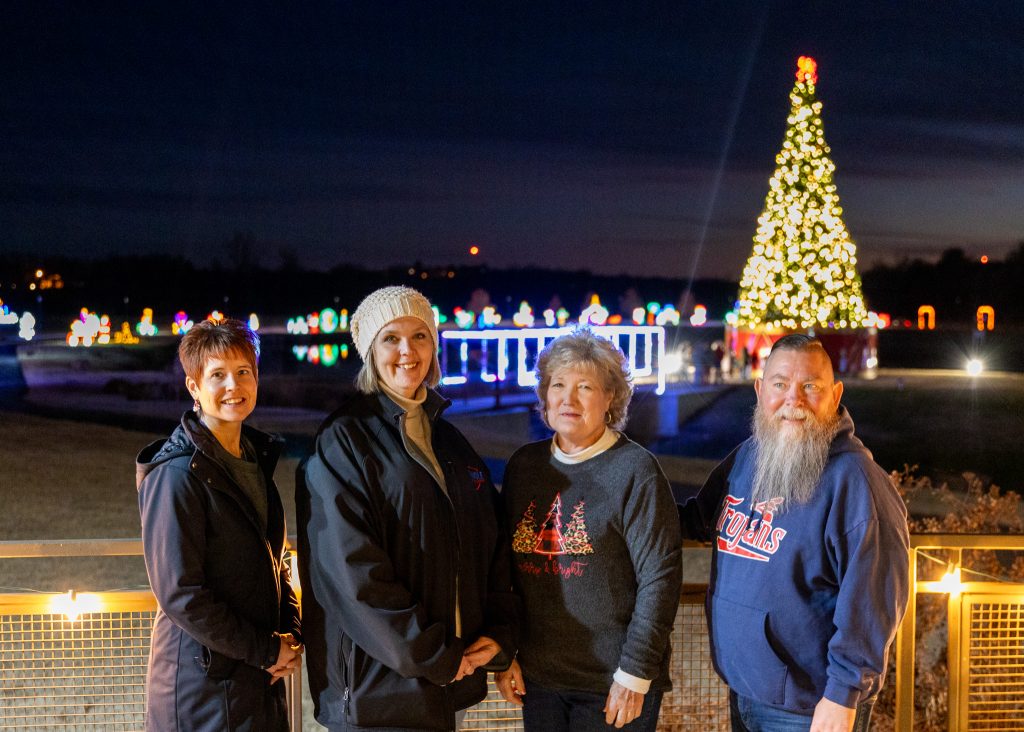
column 581, row 349
column 368, row 379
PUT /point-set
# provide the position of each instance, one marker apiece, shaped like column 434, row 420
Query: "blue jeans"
column 552, row 710
column 748, row 715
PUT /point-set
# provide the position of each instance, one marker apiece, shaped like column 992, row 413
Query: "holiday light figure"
column 145, row 325
column 27, row 326
column 181, row 324
column 670, row 316
column 986, row 318
column 926, row 318
column 699, row 317
column 802, row 272
column 84, row 329
column 595, row 313
column 524, row 318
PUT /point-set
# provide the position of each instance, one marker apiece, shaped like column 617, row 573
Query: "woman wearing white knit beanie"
column 405, row 565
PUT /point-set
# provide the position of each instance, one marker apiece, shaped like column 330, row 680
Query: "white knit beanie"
column 384, row 305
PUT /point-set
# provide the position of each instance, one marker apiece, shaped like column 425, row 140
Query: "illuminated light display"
column 73, row 604
column 615, row 319
column 6, row 316
column 26, row 322
column 297, row 326
column 125, row 337
column 27, row 326
column 802, row 271
column 489, row 318
column 254, row 322
column 439, row 317
column 668, row 315
column 216, row 316
column 327, row 320
column 103, row 336
column 644, row 346
column 464, row 318
column 639, row 316
column 878, row 320
column 986, row 318
column 926, row 317
column 699, row 317
column 524, row 317
column 474, row 250
column 145, row 326
column 595, row 313
column 181, row 324
column 325, row 354
column 732, row 318
column 984, row 259
column 84, row 329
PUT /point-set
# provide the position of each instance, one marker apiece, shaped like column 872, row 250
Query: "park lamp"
column 950, row 581
column 72, row 604
column 974, row 367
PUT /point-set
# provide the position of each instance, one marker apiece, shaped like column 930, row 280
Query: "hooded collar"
column 191, row 437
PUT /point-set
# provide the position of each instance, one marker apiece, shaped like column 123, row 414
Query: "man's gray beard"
column 789, row 466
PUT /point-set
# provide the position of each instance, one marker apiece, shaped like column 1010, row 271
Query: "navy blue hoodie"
column 804, row 600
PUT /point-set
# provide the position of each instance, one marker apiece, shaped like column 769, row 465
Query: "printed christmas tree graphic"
column 550, row 540
column 802, row 272
column 576, row 539
column 525, row 535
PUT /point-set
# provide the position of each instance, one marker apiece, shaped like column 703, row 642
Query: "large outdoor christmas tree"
column 802, row 272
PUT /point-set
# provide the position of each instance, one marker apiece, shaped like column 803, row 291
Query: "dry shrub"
column 980, row 508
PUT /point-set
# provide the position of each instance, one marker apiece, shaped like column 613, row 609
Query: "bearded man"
column 810, row 574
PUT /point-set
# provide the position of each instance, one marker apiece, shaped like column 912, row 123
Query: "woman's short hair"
column 583, row 351
column 368, row 379
column 214, row 339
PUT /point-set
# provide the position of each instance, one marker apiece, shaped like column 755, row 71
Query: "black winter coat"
column 380, row 546
column 221, row 583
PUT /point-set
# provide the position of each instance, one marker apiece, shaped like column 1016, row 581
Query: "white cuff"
column 631, row 682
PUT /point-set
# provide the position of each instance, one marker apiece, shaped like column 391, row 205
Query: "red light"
column 807, row 70
column 474, row 250
column 984, row 259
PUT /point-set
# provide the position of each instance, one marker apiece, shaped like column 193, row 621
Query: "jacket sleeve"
column 502, row 610
column 872, row 561
column 352, row 575
column 290, row 621
column 652, row 533
column 173, row 508
column 698, row 514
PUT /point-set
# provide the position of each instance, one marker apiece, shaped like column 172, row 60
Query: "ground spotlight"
column 974, row 367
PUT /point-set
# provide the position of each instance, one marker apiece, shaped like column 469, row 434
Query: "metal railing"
column 81, row 663
column 985, row 645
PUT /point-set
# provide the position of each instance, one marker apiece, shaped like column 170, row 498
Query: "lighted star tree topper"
column 802, row 272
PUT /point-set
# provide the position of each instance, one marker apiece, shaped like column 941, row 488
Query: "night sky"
column 629, row 137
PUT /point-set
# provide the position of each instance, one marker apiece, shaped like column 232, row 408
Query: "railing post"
column 905, row 648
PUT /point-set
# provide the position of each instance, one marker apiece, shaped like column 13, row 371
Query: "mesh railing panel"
column 88, row 674
column 995, row 651
column 698, row 700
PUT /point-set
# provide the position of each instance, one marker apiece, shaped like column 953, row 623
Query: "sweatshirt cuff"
column 631, row 682
column 842, row 694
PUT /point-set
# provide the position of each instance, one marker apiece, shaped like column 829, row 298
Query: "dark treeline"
column 122, row 285
column 955, row 286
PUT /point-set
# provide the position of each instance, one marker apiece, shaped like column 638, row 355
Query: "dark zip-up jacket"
column 383, row 549
column 221, row 582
